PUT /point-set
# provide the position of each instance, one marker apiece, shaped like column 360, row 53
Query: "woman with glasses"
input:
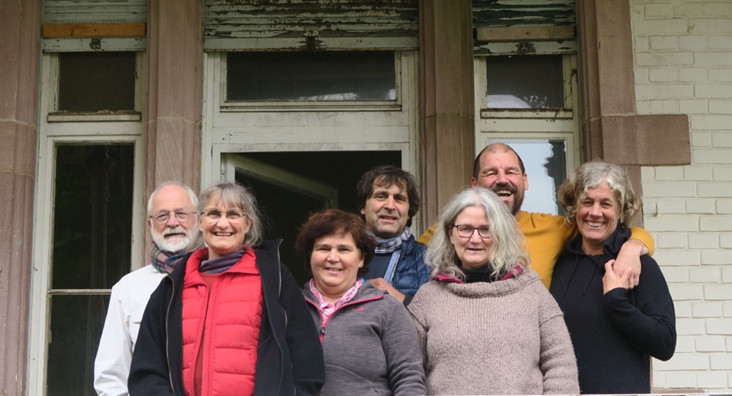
column 486, row 323
column 230, row 319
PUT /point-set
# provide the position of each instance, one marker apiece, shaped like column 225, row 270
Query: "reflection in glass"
column 310, row 76
column 524, row 82
column 546, row 164
column 96, row 81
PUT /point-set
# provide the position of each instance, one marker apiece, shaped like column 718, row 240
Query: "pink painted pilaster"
column 20, row 46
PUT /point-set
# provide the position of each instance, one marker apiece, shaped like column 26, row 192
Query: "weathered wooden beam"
column 58, row 30
column 518, row 33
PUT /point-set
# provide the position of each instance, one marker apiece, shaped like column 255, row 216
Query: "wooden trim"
column 518, row 33
column 60, row 30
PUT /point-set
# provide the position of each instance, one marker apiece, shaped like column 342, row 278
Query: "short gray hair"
column 590, row 175
column 508, row 242
column 191, row 194
column 236, row 196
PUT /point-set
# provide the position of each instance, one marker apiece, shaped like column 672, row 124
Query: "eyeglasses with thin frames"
column 466, row 231
column 164, row 216
column 215, row 214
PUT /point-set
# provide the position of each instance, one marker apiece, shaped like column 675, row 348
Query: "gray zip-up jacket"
column 370, row 346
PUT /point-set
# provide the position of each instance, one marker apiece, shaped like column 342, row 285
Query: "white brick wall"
column 683, row 65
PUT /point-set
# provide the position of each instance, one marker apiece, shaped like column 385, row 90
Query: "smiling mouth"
column 223, row 234
column 503, row 193
column 594, row 225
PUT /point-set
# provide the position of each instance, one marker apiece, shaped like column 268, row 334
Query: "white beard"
column 171, row 244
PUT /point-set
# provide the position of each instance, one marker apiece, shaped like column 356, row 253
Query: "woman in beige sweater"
column 487, row 325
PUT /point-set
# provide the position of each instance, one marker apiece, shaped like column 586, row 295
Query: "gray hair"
column 235, row 196
column 590, row 175
column 191, row 194
column 508, row 242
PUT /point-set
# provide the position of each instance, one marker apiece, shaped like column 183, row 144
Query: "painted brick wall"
column 683, row 65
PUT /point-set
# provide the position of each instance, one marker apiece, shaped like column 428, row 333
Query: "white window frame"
column 71, row 129
column 308, row 126
column 529, row 125
column 324, row 105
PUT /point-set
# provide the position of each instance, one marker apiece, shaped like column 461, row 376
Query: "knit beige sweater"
column 498, row 338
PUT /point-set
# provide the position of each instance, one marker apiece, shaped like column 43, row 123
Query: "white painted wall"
column 683, row 65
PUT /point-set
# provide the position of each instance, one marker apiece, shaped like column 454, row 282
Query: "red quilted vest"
column 231, row 313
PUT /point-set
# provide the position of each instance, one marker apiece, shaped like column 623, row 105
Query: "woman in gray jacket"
column 369, row 341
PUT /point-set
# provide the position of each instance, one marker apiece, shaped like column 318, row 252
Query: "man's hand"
column 613, row 280
column 629, row 259
column 382, row 284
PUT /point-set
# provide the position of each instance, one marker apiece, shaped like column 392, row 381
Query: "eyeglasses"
column 466, row 231
column 215, row 214
column 164, row 216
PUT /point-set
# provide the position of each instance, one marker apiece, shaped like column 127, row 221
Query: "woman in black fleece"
column 614, row 330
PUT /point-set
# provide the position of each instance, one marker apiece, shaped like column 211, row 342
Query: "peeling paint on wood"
column 493, row 15
column 310, row 22
column 497, row 13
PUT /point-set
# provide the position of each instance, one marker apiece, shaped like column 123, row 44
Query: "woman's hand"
column 611, row 280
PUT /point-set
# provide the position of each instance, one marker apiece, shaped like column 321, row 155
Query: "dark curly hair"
column 334, row 221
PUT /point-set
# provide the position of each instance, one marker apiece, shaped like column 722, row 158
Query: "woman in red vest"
column 230, row 319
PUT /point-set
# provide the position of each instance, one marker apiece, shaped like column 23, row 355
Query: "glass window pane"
column 92, row 231
column 310, row 76
column 95, row 81
column 524, row 82
column 76, row 325
column 546, row 167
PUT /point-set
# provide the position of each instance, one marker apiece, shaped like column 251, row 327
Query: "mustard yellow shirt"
column 546, row 235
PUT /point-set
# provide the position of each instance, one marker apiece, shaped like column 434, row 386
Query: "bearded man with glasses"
column 172, row 216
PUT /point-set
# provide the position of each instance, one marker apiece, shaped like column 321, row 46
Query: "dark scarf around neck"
column 220, row 264
column 164, row 261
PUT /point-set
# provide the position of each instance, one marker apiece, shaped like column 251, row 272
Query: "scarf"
column 222, row 263
column 326, row 308
column 390, row 245
column 164, row 261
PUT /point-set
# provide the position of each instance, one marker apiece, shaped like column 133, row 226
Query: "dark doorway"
column 289, row 186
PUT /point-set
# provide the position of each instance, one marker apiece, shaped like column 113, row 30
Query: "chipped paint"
column 511, row 13
column 309, row 24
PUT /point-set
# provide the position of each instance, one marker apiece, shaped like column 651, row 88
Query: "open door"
column 289, row 186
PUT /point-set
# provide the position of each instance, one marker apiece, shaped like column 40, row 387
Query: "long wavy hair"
column 590, row 175
column 507, row 250
column 235, row 196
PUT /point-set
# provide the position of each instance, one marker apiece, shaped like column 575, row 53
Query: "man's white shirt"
column 126, row 305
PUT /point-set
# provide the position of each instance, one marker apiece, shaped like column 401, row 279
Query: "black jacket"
column 613, row 334
column 289, row 358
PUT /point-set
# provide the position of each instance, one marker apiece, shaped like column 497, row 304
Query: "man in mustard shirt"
column 500, row 169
